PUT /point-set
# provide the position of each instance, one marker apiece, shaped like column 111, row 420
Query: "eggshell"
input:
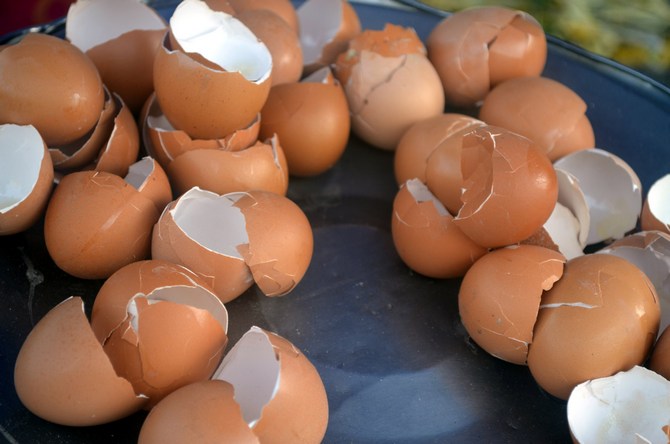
column 121, row 38
column 660, row 355
column 477, row 48
column 425, row 236
column 62, row 374
column 500, row 296
column 542, row 109
column 631, row 406
column 212, row 86
column 655, row 210
column 509, row 187
column 262, row 166
column 205, row 412
column 600, row 318
column 50, row 84
column 420, row 140
column 96, row 223
column 283, row 8
column 147, row 176
column 312, row 121
column 26, row 177
column 123, row 146
column 563, row 228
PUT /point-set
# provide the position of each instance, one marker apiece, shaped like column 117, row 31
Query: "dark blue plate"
column 396, row 362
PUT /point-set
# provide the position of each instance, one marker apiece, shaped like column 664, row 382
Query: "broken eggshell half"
column 656, row 211
column 26, row 177
column 234, row 239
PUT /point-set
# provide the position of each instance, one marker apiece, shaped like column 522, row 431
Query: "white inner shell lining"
column 21, row 151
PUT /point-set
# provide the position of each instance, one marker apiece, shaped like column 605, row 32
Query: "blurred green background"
column 635, row 33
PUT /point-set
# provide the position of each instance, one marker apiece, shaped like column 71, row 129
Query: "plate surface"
column 397, row 364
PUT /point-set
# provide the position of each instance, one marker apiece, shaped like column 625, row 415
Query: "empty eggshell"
column 121, row 38
column 26, row 177
column 630, row 406
column 600, row 318
column 477, row 48
column 326, row 26
column 63, row 375
column 123, row 145
column 656, row 211
column 283, row 8
column 500, row 297
column 659, row 360
column 612, row 190
column 425, row 236
column 563, row 228
column 147, row 176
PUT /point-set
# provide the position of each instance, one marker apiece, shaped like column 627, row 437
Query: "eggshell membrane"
column 542, row 109
column 326, row 26
column 262, row 166
column 203, row 412
column 297, row 410
column 50, row 84
column 151, row 181
column 420, row 140
column 282, row 42
column 204, row 102
column 600, row 318
column 166, row 143
column 476, row 48
column 425, row 236
column 280, row 244
column 63, row 376
column 123, row 145
column 499, row 298
column 167, row 342
column 282, row 8
column 660, row 355
column 631, row 405
column 311, row 119
column 563, row 228
column 509, row 187
column 214, row 258
column 96, row 223
column 21, row 205
column 388, row 94
column 655, row 210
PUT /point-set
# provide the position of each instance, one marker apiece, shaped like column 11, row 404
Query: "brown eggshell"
column 312, row 121
column 221, row 5
column 27, row 166
column 262, row 166
column 123, row 145
column 282, row 8
column 417, row 143
column 425, row 236
column 282, row 42
column 62, row 374
column 542, row 109
column 660, row 355
column 151, row 181
column 476, row 48
column 500, row 297
column 205, row 412
column 600, row 318
column 96, row 223
column 655, row 214
column 50, row 84
column 509, row 187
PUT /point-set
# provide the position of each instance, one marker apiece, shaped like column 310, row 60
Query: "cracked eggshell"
column 500, row 295
column 147, row 176
column 96, row 222
column 121, row 38
column 612, row 190
column 660, row 355
column 282, row 8
column 326, row 26
column 655, row 210
column 217, row 79
column 478, row 48
column 63, row 375
column 422, row 138
column 50, row 84
column 123, row 146
column 282, row 396
column 563, row 228
column 425, row 236
column 262, row 166
column 600, row 318
column 311, row 119
column 542, row 109
column 630, row 406
column 390, row 84
column 26, row 177
column 509, row 187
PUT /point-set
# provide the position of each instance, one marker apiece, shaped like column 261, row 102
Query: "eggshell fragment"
column 630, row 406
column 656, row 211
column 123, row 145
column 500, row 297
column 660, row 355
column 563, row 228
column 26, row 177
column 283, row 8
column 509, row 187
column 425, row 236
column 62, row 374
column 147, row 176
column 600, row 318
column 612, row 190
